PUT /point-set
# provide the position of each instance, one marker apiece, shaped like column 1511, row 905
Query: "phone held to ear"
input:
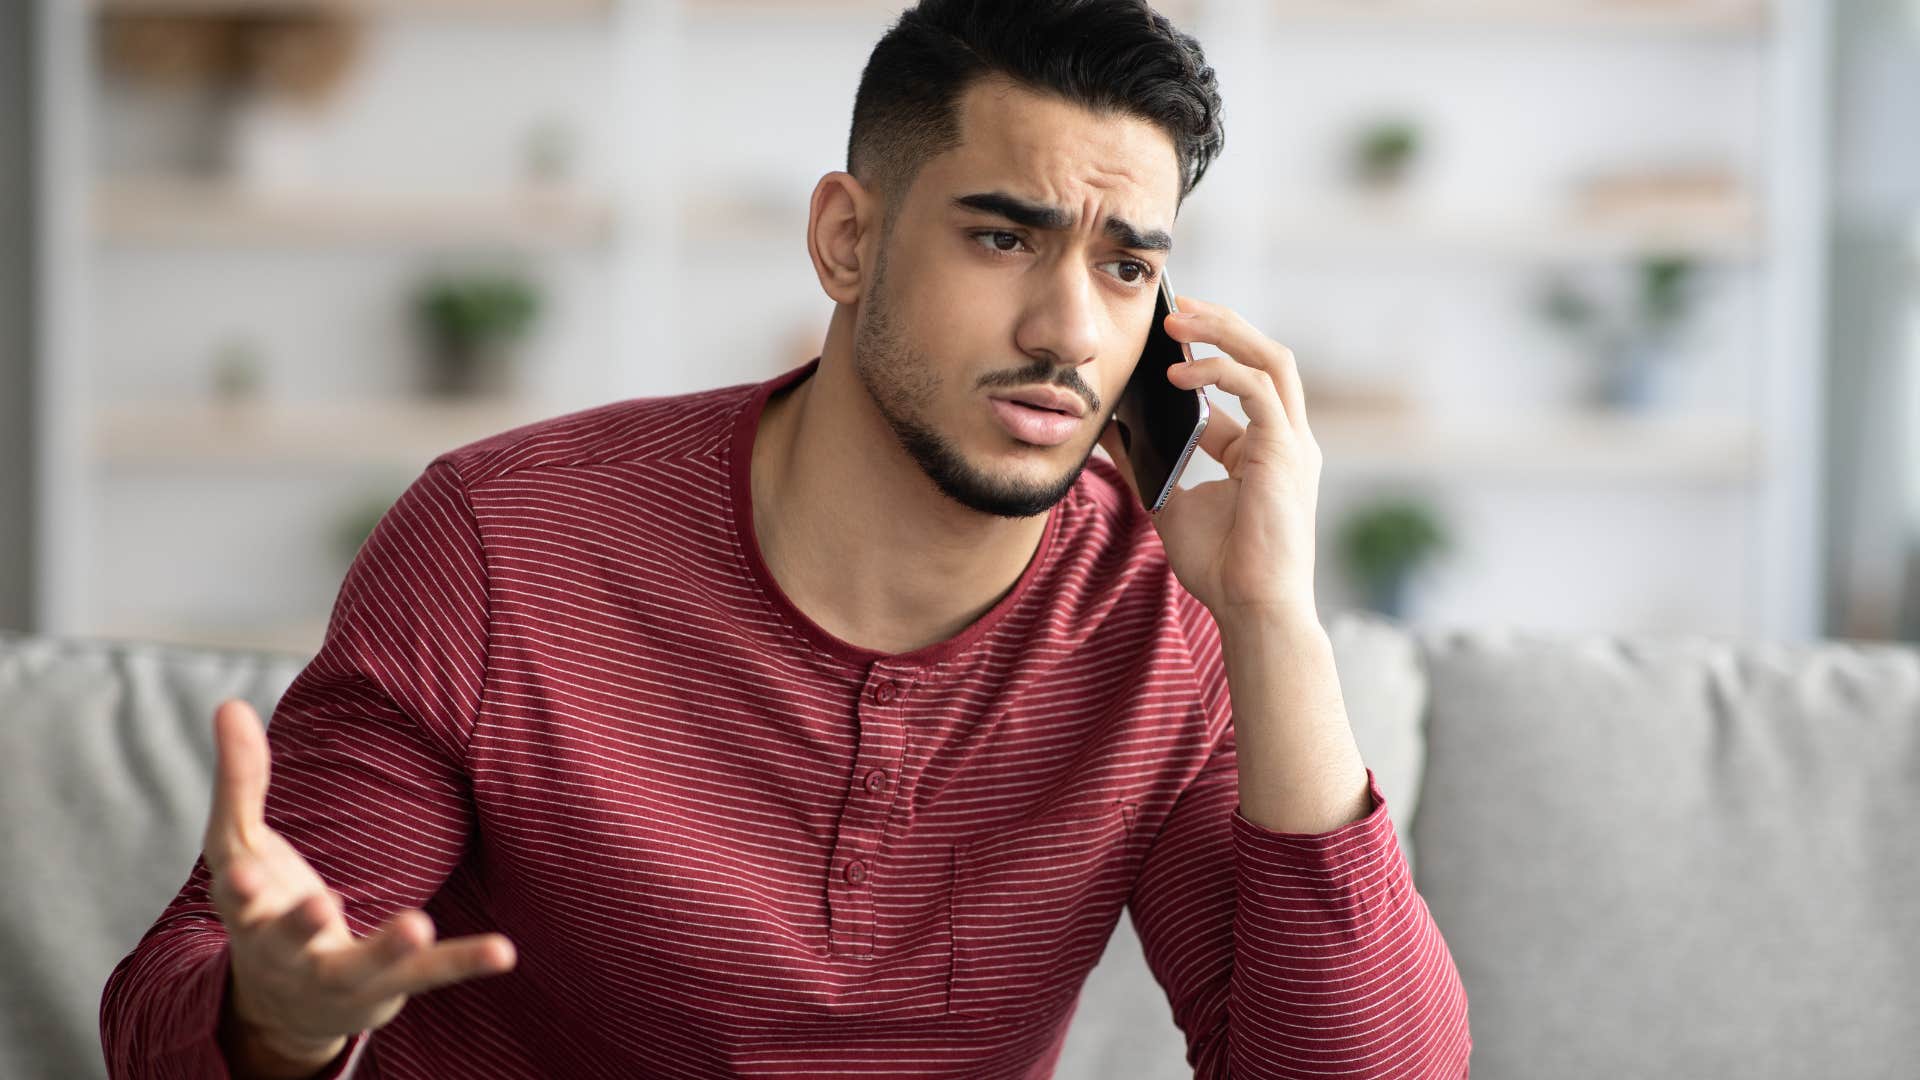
column 1160, row 423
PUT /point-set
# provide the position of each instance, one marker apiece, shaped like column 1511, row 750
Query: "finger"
column 238, row 812
column 1217, row 438
column 1228, row 330
column 248, row 896
column 1259, row 398
column 235, row 886
column 404, row 932
column 293, row 929
column 444, row 964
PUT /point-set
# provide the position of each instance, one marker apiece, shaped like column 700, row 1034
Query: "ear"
column 843, row 223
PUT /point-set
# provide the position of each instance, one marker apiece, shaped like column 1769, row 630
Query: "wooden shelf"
column 513, row 8
column 1180, row 11
column 400, row 434
column 1730, row 237
column 156, row 212
column 1664, row 16
column 1563, row 446
column 1354, row 233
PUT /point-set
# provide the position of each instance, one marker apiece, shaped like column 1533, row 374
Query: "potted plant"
column 1627, row 345
column 474, row 322
column 1383, row 154
column 238, row 371
column 1383, row 544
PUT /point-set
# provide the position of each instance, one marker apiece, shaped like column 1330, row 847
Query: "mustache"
column 1044, row 377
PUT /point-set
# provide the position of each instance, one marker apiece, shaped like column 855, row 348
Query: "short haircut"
column 1116, row 56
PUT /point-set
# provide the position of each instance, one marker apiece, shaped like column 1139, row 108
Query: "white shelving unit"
column 688, row 209
column 209, row 214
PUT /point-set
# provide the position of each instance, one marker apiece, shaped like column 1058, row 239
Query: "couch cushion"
column 1676, row 856
column 109, row 752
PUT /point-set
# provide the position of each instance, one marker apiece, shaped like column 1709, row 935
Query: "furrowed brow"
column 1040, row 216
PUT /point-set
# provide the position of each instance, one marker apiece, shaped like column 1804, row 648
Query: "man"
column 825, row 726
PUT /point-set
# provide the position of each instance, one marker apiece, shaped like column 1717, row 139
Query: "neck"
column 857, row 536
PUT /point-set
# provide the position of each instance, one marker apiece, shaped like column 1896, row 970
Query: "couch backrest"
column 108, row 751
column 1650, row 856
column 1676, row 856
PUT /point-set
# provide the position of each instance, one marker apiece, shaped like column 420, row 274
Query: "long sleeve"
column 367, row 776
column 1292, row 955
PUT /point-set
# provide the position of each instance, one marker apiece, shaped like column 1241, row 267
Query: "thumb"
column 240, row 779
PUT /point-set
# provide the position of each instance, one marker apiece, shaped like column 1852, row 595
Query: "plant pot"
column 471, row 369
column 1627, row 377
column 1388, row 596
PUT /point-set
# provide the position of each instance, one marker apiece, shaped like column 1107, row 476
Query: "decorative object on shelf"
column 474, row 321
column 169, row 50
column 286, row 51
column 291, row 64
column 549, row 153
column 1626, row 346
column 1384, row 543
column 267, row 75
column 1383, row 154
column 238, row 370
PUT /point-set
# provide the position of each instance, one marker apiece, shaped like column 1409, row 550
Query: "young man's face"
column 968, row 303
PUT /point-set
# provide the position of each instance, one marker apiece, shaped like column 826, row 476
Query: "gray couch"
column 1651, row 857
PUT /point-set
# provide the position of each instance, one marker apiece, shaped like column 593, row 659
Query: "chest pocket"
column 1033, row 906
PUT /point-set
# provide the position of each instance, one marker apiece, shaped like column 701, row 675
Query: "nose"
column 1062, row 320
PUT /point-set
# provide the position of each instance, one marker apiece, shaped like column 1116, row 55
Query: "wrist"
column 255, row 1052
column 1269, row 622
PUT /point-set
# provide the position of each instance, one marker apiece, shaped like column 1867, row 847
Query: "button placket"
column 853, row 875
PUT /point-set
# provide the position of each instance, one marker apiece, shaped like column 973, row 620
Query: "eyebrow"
column 1041, row 216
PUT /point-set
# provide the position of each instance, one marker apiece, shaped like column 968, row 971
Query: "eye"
column 1145, row 272
column 993, row 236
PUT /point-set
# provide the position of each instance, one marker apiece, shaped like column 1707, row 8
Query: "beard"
column 904, row 386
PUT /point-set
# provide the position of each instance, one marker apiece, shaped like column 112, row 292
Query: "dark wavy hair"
column 1107, row 55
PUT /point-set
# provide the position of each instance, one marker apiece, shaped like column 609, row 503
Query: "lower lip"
column 1042, row 427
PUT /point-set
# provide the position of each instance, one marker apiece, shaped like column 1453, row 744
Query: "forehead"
column 1039, row 146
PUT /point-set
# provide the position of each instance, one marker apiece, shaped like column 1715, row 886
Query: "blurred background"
column 1608, row 310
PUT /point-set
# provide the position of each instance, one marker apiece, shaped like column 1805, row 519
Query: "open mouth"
column 1034, row 424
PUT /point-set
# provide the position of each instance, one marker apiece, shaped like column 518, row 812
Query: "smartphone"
column 1160, row 423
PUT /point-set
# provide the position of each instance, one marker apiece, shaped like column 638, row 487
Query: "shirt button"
column 883, row 693
column 877, row 781
column 856, row 871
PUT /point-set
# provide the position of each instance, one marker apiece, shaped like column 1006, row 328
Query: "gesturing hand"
column 301, row 981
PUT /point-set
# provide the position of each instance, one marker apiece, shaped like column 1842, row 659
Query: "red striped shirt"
column 561, row 697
